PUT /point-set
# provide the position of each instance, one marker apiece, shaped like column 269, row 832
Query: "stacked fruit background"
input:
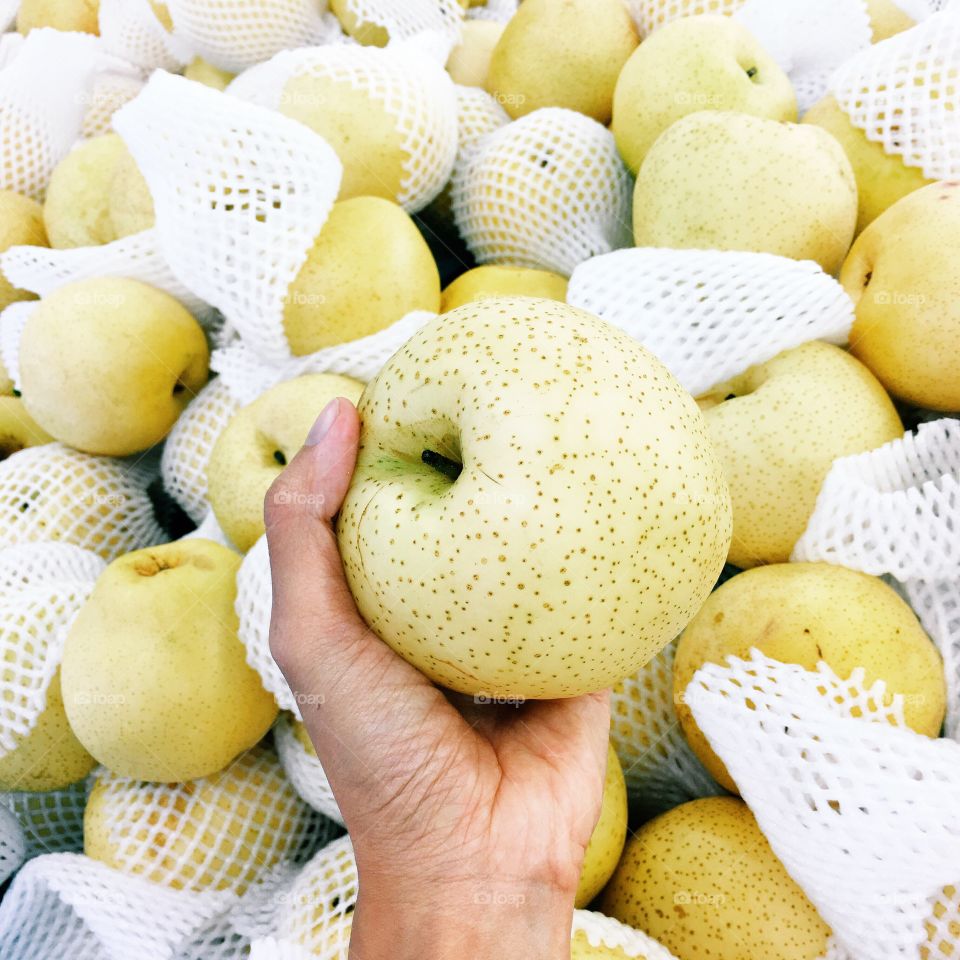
column 651, row 309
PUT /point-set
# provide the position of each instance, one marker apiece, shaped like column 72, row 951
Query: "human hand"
column 469, row 820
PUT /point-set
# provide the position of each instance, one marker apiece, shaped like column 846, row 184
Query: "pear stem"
column 449, row 468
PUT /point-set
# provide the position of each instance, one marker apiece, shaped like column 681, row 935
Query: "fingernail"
column 323, row 423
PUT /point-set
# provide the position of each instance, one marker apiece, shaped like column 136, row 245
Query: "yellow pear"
column 496, row 280
column 469, row 61
column 729, row 181
column 703, row 880
column 21, row 224
column 131, row 203
column 155, row 679
column 562, row 55
column 201, row 71
column 49, row 757
column 82, row 16
column 368, row 267
column 903, row 274
column 887, row 19
column 882, row 178
column 807, row 612
column 18, row 430
column 606, row 842
column 216, row 833
column 108, row 364
column 259, row 441
column 76, row 210
column 707, row 62
column 777, row 429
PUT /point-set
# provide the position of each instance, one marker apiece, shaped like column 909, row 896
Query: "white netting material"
column 13, row 844
column 548, row 190
column 500, row 10
column 478, row 114
column 131, row 30
column 405, row 79
column 305, row 770
column 186, row 452
column 38, row 124
column 236, row 34
column 709, row 315
column 240, row 193
column 809, row 39
column 221, row 832
column 254, row 599
column 650, row 14
column 51, row 492
column 861, row 812
column 52, row 820
column 42, row 586
column 904, row 93
column 12, row 322
column 604, row 931
column 659, row 767
column 407, row 19
column 111, row 89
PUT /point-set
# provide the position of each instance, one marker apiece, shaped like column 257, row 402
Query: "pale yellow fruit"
column 903, row 274
column 730, row 181
column 368, row 267
column 21, row 224
column 362, row 132
column 259, row 441
column 76, row 210
column 82, row 16
column 363, row 31
column 469, row 61
column 606, row 841
column 703, row 880
column 496, row 280
column 6, row 384
column 887, row 19
column 882, row 178
column 807, row 612
column 155, row 679
column 18, row 430
column 565, row 54
column 481, row 534
column 162, row 13
column 200, row 71
column 49, row 757
column 778, row 428
column 131, row 203
column 107, row 365
column 216, row 833
column 696, row 63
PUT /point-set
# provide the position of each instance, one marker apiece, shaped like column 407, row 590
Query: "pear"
column 805, row 613
column 903, row 275
column 130, row 200
column 469, row 61
column 496, row 280
column 368, row 252
column 882, row 178
column 82, row 16
column 777, row 429
column 703, row 880
column 887, row 19
column 258, row 442
column 562, row 55
column 155, row 680
column 692, row 64
column 18, row 430
column 108, row 364
column 201, row 71
column 606, row 842
column 21, row 224
column 730, row 181
column 76, row 210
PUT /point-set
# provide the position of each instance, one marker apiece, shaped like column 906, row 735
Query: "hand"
column 469, row 820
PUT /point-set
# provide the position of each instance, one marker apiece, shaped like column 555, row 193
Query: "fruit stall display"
column 651, row 311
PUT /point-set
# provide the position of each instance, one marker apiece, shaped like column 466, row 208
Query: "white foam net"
column 131, row 30
column 52, row 820
column 548, row 190
column 51, row 492
column 650, row 14
column 186, row 452
column 305, row 770
column 860, row 809
column 13, row 844
column 12, row 322
column 240, row 194
column 659, row 767
column 602, row 931
column 904, row 93
column 111, row 90
column 38, row 123
column 403, row 20
column 709, row 315
column 42, row 586
column 236, row 34
column 478, row 114
column 500, row 10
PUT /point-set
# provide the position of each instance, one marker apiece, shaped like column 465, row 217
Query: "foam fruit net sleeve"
column 403, row 20
column 305, row 770
column 13, row 844
column 52, row 820
column 131, row 30
column 709, row 315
